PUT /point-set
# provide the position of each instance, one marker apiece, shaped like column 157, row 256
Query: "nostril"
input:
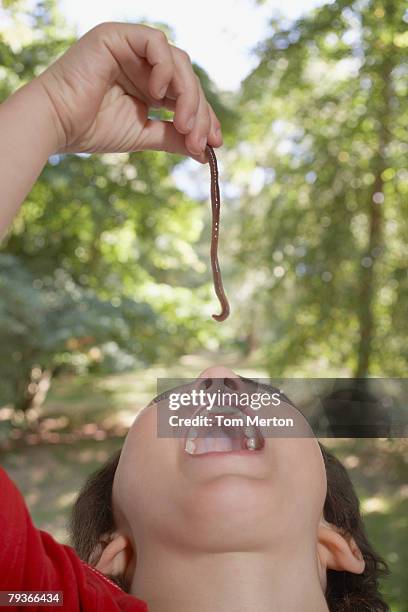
column 231, row 383
column 206, row 383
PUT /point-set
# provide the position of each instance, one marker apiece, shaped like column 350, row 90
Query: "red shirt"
column 31, row 560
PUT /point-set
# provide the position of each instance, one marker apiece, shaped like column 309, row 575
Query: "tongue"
column 216, row 445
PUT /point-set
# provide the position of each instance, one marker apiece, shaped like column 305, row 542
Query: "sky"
column 218, row 34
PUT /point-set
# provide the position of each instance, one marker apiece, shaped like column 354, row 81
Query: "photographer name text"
column 205, row 420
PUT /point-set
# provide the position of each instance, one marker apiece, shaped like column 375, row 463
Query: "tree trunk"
column 32, row 393
column 375, row 246
column 369, row 281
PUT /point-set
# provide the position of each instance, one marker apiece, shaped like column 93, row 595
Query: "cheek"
column 303, row 479
column 145, row 480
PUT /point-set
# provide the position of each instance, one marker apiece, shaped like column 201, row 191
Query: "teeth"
column 250, row 431
column 225, row 410
column 251, row 444
column 190, row 447
column 197, row 444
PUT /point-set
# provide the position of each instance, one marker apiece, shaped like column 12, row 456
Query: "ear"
column 337, row 551
column 116, row 556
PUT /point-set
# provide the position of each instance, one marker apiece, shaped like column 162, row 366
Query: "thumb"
column 163, row 136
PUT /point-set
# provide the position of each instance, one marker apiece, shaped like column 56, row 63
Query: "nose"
column 219, row 375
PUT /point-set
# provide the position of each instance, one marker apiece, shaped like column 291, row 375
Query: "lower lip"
column 240, row 453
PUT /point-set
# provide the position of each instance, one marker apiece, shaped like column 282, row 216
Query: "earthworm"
column 215, row 230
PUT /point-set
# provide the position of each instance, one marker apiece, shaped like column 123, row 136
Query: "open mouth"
column 228, row 432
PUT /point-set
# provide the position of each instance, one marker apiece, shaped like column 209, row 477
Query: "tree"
column 322, row 169
column 51, row 323
column 103, row 248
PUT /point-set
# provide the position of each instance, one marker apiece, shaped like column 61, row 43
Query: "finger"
column 163, row 136
column 144, row 70
column 196, row 140
column 160, row 57
column 135, row 92
column 215, row 135
column 167, row 103
column 186, row 89
column 128, row 43
column 130, row 88
column 151, row 67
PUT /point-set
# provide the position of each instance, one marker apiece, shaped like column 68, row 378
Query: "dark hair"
column 347, row 592
column 92, row 519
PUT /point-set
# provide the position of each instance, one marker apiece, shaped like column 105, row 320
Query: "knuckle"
column 159, row 36
column 103, row 28
column 184, row 56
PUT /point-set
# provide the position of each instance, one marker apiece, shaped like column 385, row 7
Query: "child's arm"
column 96, row 98
column 31, row 560
column 28, row 137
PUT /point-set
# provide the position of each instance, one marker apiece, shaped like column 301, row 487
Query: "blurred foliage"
column 51, row 323
column 101, row 269
column 313, row 174
column 106, row 266
column 320, row 171
column 315, row 177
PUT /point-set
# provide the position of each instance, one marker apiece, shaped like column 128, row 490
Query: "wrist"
column 46, row 83
column 33, row 104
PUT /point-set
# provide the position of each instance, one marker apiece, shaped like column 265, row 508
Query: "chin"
column 232, row 512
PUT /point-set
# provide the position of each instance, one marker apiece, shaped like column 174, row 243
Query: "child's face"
column 219, row 501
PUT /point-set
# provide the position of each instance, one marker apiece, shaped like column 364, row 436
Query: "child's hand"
column 101, row 90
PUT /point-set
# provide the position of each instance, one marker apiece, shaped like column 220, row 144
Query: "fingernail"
column 202, row 143
column 190, row 123
column 162, row 92
column 218, row 134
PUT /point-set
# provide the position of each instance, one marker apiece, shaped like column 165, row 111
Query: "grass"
column 87, row 418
